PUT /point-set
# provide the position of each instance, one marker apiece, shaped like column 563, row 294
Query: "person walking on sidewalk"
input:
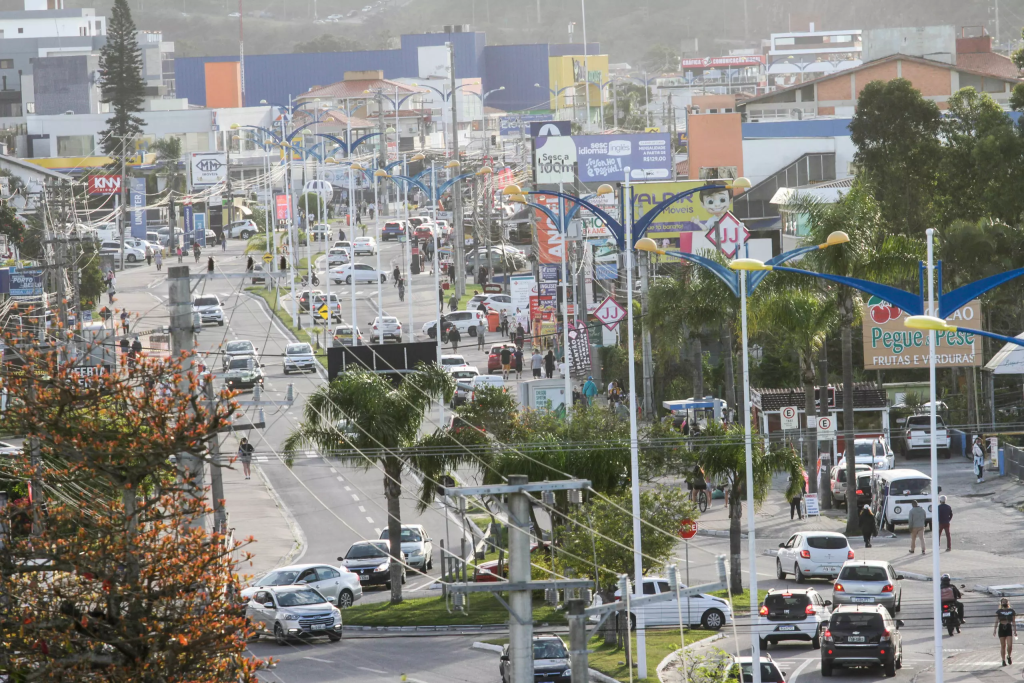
column 1005, row 629
column 536, row 361
column 916, row 519
column 867, row 525
column 453, row 303
column 454, row 336
column 796, row 500
column 506, row 361
column 978, row 451
column 158, row 256
column 549, row 364
column 245, row 450
column 481, row 337
column 395, row 275
column 517, row 359
column 945, row 517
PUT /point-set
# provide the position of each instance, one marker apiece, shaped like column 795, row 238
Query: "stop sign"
column 687, row 529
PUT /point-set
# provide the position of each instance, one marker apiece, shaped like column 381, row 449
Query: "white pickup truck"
column 916, row 440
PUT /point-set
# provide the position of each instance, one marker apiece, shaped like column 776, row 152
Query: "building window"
column 30, row 107
column 21, row 30
column 74, row 145
column 6, row 64
column 99, row 25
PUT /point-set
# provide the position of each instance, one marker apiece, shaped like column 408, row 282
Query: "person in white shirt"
column 979, row 459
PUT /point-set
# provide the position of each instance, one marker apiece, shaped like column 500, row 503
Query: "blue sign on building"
column 604, row 158
column 137, row 203
column 26, row 281
column 514, row 124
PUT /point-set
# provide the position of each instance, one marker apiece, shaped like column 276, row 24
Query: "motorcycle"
column 950, row 617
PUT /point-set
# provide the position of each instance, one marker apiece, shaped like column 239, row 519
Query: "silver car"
column 416, row 545
column 870, row 582
column 338, row 585
column 293, row 612
column 299, row 357
column 237, row 349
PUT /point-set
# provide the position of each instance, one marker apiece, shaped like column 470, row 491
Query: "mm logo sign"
column 208, row 165
column 208, row 168
column 104, row 184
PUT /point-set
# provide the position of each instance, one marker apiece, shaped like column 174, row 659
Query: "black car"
column 863, row 490
column 371, row 561
column 862, row 635
column 551, row 662
column 305, row 296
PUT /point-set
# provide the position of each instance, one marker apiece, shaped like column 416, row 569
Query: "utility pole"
column 220, row 517
column 382, row 136
column 823, row 449
column 578, row 640
column 645, row 277
column 123, row 213
column 460, row 234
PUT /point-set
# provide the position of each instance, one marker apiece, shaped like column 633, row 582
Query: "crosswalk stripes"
column 974, row 661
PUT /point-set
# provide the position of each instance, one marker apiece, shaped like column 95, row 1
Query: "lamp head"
column 518, row 198
column 381, row 173
column 740, row 183
column 234, row 126
column 928, row 322
column 647, row 244
column 263, row 101
column 748, row 264
column 511, row 190
column 418, row 157
column 453, row 164
column 330, row 160
column 605, row 189
column 501, row 88
column 485, row 170
column 357, row 167
column 837, row 237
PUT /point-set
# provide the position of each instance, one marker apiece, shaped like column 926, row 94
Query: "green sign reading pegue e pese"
column 889, row 344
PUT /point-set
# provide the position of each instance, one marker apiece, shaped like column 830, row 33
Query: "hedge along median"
column 481, row 609
column 281, row 313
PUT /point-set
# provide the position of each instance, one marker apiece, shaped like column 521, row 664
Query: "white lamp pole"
column 376, row 230
column 565, row 305
column 755, row 646
column 352, row 250
column 936, row 588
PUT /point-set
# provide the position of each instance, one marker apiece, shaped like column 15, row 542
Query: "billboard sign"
column 604, row 158
column 549, row 241
column 104, row 184
column 26, row 281
column 552, row 128
column 208, row 168
column 521, row 288
column 684, row 224
column 137, row 201
column 889, row 344
column 554, row 160
column 721, row 62
column 283, row 203
column 579, row 349
column 514, row 124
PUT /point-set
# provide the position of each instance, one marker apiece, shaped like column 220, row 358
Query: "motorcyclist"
column 951, row 596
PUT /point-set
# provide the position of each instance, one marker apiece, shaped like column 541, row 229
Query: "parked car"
column 365, row 245
column 893, row 491
column 452, row 360
column 392, row 230
column 336, row 584
column 551, row 661
column 703, row 611
column 838, row 481
column 299, row 357
column 916, row 439
column 239, row 348
column 480, row 381
column 243, row 229
column 792, row 614
column 858, row 635
column 494, row 302
column 417, row 546
column 371, row 561
column 463, row 376
column 363, row 273
column 873, row 451
column 293, row 612
column 343, row 336
column 131, row 254
column 467, row 322
column 386, row 327
column 813, row 554
column 869, row 582
column 209, row 309
column 862, row 490
column 244, row 372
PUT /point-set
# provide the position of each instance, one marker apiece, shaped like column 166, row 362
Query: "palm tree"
column 385, row 419
column 873, row 254
column 168, row 155
column 723, row 459
column 799, row 315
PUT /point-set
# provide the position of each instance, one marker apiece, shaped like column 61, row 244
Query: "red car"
column 494, row 358
column 423, row 232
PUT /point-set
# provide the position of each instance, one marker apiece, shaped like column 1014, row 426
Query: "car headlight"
column 383, row 566
column 416, row 553
column 289, row 617
column 567, row 672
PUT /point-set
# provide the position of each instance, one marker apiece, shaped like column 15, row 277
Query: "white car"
column 242, row 229
column 363, row 273
column 237, row 349
column 337, row 584
column 452, row 360
column 792, row 614
column 495, row 302
column 365, row 245
column 385, row 327
column 9, row 449
column 299, row 357
column 481, row 381
column 467, row 322
column 770, row 672
column 338, row 257
column 209, row 309
column 293, row 612
column 417, row 546
column 131, row 254
column 813, row 554
column 874, row 452
column 703, row 611
column 463, row 376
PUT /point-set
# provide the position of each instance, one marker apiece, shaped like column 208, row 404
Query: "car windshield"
column 235, row 347
column 864, row 574
column 343, row 330
column 297, row 349
column 769, row 673
column 453, row 360
column 363, row 551
column 925, row 421
column 239, row 364
column 463, row 374
column 207, row 301
column 912, row 487
column 861, row 448
column 855, row 620
column 778, row 601
column 549, row 649
column 297, row 598
column 279, row 578
column 408, row 536
column 827, row 542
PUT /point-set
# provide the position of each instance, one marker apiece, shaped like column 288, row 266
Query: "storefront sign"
column 889, row 344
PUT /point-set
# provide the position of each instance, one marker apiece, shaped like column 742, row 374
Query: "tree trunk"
column 698, row 368
column 393, row 493
column 852, row 520
column 824, row 490
column 810, row 446
column 735, row 540
column 730, row 377
column 972, row 400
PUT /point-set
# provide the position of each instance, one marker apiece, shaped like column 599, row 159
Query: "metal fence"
column 1013, row 461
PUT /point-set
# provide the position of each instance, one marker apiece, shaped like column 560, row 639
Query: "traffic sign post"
column 324, row 312
column 789, row 419
column 268, row 257
column 826, row 428
column 610, row 313
column 687, row 530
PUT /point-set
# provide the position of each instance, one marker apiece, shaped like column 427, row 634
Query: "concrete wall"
column 715, row 140
column 58, row 24
column 62, row 84
column 930, row 42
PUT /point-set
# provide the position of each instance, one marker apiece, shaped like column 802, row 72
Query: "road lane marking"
column 370, row 520
column 362, row 509
column 800, row 668
column 373, row 671
column 355, row 497
column 348, row 488
column 341, row 478
column 311, row 455
column 334, row 471
column 317, row 659
column 376, row 531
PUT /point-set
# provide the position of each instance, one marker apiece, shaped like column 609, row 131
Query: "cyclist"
column 695, row 483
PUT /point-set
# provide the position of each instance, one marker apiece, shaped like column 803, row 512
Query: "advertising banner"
column 26, row 281
column 199, row 220
column 549, row 241
column 521, row 288
column 282, row 202
column 888, row 343
column 514, row 124
column 720, row 62
column 683, row 224
column 188, row 220
column 554, row 160
column 579, row 349
column 208, row 168
column 604, row 158
column 137, row 204
column 104, row 184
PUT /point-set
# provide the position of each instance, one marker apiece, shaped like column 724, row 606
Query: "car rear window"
column 827, row 542
column 207, row 301
column 234, row 347
column 864, row 574
column 911, row 487
column 855, row 620
column 781, row 601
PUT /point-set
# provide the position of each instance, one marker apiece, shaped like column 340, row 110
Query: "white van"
column 893, row 490
column 480, row 381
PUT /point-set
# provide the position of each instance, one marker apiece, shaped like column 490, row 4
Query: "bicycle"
column 702, row 500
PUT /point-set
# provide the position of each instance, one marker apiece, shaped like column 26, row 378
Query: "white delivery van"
column 892, row 492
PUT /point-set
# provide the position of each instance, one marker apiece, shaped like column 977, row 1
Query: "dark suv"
column 551, row 662
column 792, row 614
column 861, row 635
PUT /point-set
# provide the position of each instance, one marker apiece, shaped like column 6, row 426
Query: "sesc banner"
column 889, row 344
column 554, row 160
column 605, row 158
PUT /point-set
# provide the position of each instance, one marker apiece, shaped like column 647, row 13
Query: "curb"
column 300, row 546
column 600, row 677
column 487, row 647
column 1001, row 591
column 672, row 655
column 487, row 628
column 716, row 532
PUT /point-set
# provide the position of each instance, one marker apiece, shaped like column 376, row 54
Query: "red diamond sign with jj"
column 733, row 233
column 610, row 313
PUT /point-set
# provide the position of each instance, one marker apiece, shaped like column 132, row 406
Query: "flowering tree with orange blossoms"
column 117, row 580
